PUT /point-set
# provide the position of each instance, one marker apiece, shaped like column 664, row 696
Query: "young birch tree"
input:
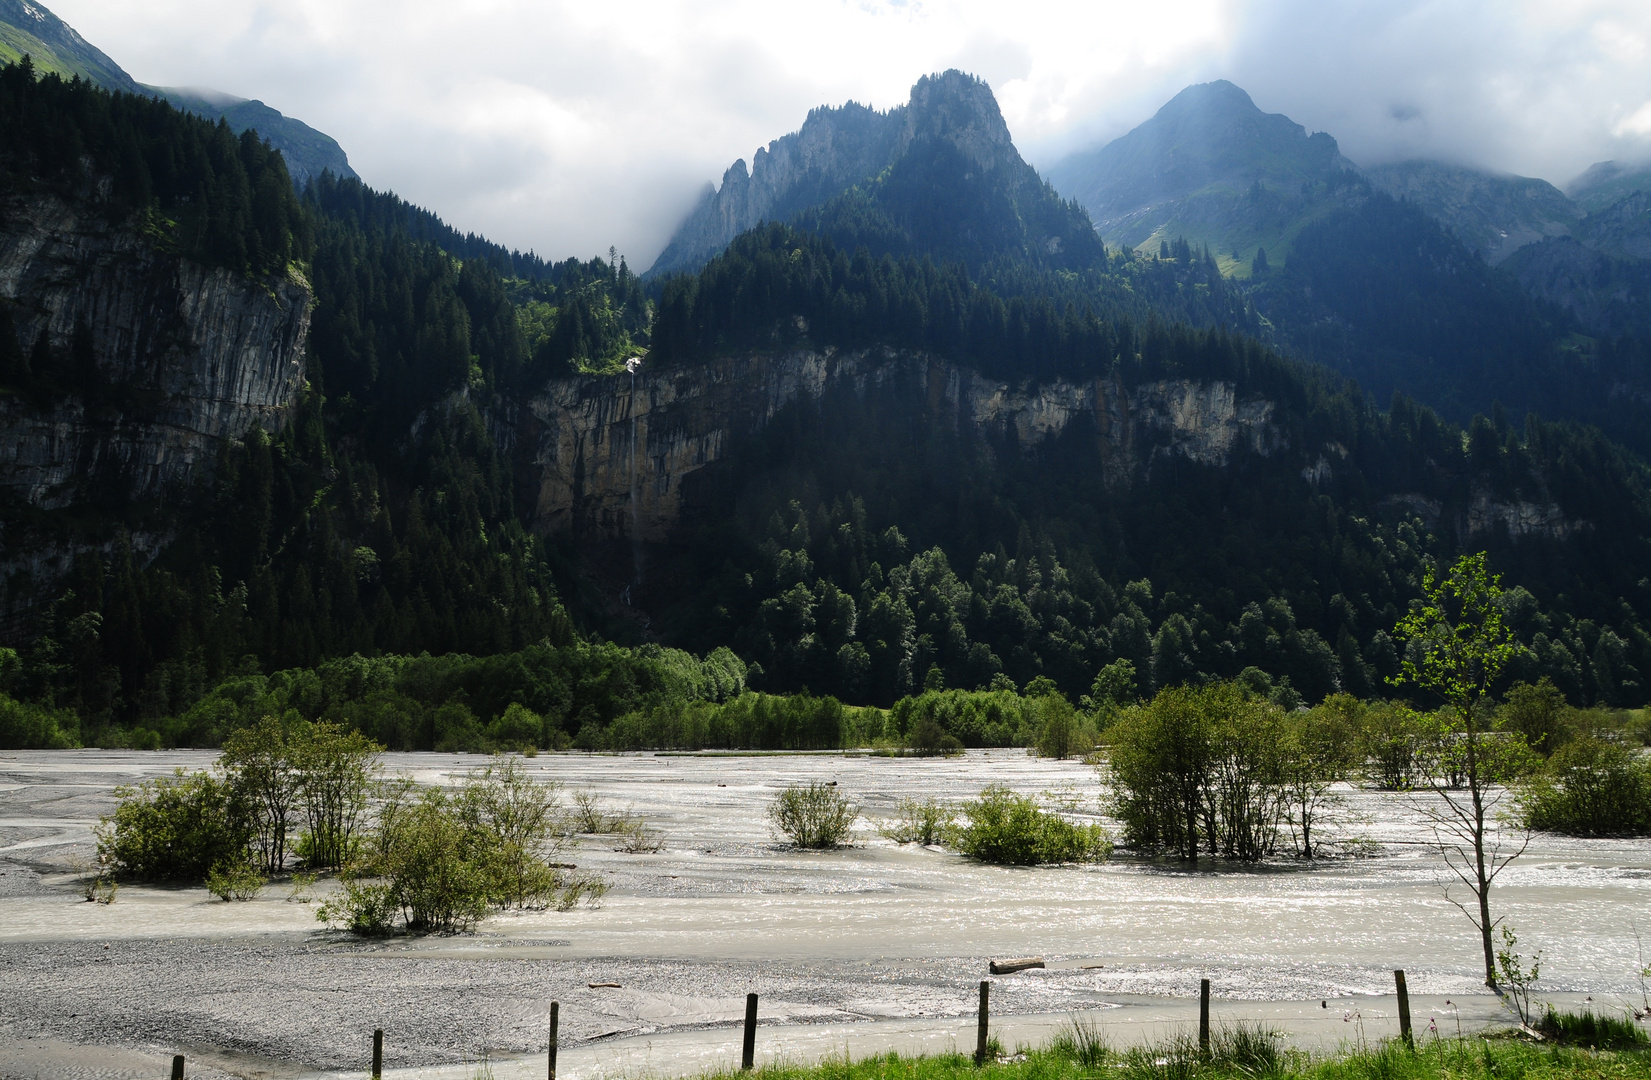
column 1457, row 645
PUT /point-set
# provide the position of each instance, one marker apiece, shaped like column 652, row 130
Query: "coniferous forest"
column 373, row 557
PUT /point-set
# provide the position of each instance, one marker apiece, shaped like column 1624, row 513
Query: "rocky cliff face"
column 611, row 453
column 191, row 356
column 834, row 150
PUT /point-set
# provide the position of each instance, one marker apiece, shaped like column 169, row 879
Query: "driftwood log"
column 1014, row 964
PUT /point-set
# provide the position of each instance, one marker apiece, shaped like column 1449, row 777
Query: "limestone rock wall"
column 193, row 355
column 609, row 454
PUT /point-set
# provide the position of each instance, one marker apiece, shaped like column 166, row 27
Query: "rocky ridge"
column 611, row 453
column 835, row 149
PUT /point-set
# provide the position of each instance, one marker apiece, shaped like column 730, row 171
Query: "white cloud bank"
column 566, row 127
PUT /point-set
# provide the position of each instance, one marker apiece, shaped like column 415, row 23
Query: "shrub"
column 929, row 739
column 27, row 726
column 517, row 728
column 926, row 821
column 260, row 763
column 636, row 838
column 437, row 877
column 1010, row 829
column 1538, row 713
column 814, row 815
column 1395, row 746
column 235, row 880
column 1059, row 733
column 176, row 828
column 589, row 817
column 1321, row 750
column 1590, row 787
column 513, row 824
column 334, row 770
column 439, row 860
column 1205, row 767
column 364, row 907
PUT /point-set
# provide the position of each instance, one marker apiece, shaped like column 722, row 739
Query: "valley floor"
column 869, row 948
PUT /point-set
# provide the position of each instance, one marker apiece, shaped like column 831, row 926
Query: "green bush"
column 362, row 906
column 928, row 739
column 973, row 717
column 1538, row 713
column 335, row 771
column 1003, row 827
column 176, row 828
column 514, row 827
column 260, row 762
column 439, row 859
column 919, row 821
column 26, row 726
column 235, row 880
column 749, row 721
column 1590, row 787
column 1396, row 740
column 517, row 728
column 814, row 815
column 1203, row 768
column 1060, row 731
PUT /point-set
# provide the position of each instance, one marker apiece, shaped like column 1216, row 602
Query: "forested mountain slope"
column 952, row 459
column 1381, row 274
column 28, row 28
column 1093, row 454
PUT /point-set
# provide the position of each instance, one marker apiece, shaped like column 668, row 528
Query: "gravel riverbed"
column 872, row 933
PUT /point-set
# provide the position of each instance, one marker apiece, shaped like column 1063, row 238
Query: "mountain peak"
column 836, row 148
column 962, row 110
column 1209, row 136
column 53, row 46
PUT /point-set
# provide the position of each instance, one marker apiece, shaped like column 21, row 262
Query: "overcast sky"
column 567, row 127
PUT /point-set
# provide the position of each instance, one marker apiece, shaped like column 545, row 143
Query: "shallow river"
column 890, row 932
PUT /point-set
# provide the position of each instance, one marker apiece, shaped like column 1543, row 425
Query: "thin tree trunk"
column 1475, row 788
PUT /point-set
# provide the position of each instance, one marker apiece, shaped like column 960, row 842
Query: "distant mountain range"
column 1213, row 168
column 28, row 29
column 1457, row 286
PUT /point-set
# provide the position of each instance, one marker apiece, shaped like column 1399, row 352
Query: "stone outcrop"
column 1483, row 514
column 610, row 453
column 191, row 356
column 834, row 150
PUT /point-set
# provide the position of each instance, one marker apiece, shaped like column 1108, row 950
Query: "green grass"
column 1600, row 1031
column 1241, row 1053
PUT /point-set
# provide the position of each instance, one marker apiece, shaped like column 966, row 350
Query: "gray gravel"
column 314, row 1004
column 872, row 932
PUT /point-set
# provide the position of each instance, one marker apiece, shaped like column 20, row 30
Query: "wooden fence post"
column 980, row 1034
column 555, row 1020
column 177, row 1067
column 1204, row 1015
column 748, row 1055
column 1404, row 1006
column 378, row 1053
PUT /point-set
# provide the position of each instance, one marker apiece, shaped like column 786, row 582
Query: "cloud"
column 1636, row 123
column 566, row 127
column 1518, row 85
